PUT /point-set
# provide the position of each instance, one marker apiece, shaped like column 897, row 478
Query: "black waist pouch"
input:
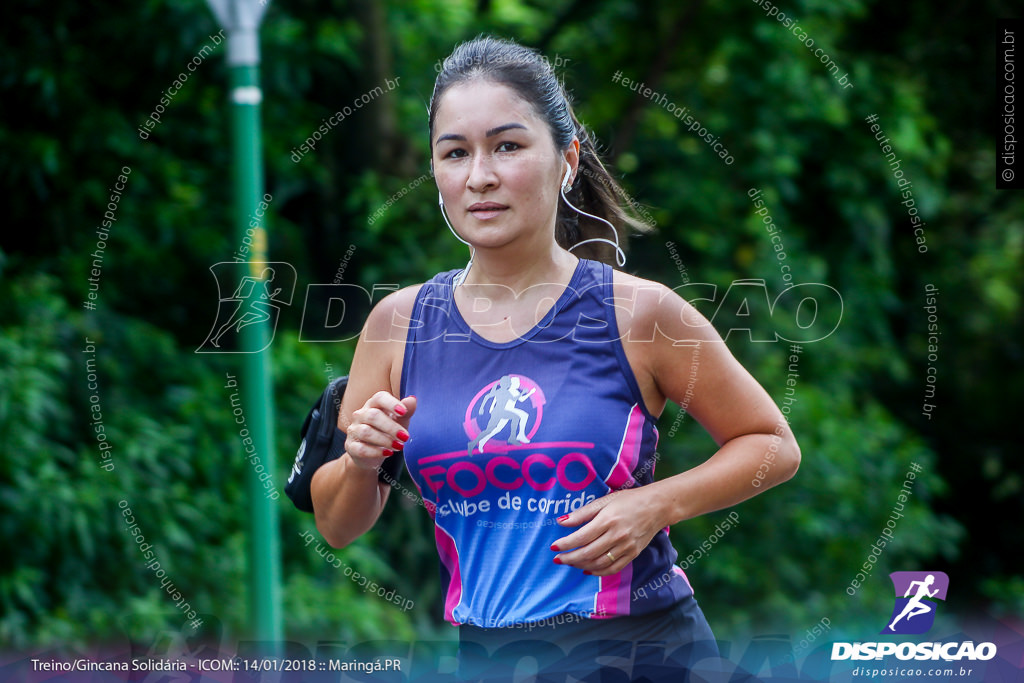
column 322, row 442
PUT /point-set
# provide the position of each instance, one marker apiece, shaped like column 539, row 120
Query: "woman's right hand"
column 378, row 429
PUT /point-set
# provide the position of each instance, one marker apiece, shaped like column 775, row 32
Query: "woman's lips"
column 486, row 210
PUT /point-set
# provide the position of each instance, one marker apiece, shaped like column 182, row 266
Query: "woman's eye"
column 508, row 147
column 455, row 154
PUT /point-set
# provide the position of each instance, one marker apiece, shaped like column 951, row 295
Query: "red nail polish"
column 558, row 560
column 403, row 435
column 401, row 409
column 563, row 518
column 554, row 547
column 588, row 573
column 387, row 452
column 397, row 445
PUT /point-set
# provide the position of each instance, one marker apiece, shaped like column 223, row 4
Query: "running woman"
column 523, row 391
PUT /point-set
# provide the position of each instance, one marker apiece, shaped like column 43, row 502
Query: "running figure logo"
column 256, row 298
column 914, row 612
column 501, row 400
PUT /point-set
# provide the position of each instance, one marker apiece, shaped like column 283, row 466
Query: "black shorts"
column 662, row 646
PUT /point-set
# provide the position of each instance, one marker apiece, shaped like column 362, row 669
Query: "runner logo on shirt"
column 508, row 409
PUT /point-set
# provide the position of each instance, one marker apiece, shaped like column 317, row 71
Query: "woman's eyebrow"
column 489, row 134
column 502, row 128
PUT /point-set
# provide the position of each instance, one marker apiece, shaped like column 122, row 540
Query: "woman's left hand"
column 616, row 527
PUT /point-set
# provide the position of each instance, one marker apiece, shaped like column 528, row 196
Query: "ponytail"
column 594, row 191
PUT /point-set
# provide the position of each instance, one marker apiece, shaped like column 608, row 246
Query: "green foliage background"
column 77, row 82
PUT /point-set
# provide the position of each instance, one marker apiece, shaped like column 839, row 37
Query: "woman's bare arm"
column 347, row 496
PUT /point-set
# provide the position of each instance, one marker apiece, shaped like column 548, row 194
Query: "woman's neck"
column 517, row 273
column 503, row 298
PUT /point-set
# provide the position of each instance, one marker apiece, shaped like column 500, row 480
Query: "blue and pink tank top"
column 507, row 437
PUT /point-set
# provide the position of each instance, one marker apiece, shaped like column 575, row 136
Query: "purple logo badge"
column 916, row 593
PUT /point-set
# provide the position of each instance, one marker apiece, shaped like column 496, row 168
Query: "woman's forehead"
column 479, row 105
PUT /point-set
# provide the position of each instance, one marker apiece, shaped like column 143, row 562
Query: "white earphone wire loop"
column 459, row 277
column 620, row 255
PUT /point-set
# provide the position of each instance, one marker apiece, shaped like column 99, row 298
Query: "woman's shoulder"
column 645, row 306
column 392, row 311
column 644, row 296
column 396, row 309
column 401, row 299
column 622, row 279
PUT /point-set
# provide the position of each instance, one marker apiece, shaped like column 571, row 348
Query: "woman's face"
column 496, row 166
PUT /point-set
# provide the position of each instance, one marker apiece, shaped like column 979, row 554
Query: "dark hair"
column 530, row 75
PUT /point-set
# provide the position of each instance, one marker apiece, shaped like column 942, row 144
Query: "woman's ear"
column 572, row 157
